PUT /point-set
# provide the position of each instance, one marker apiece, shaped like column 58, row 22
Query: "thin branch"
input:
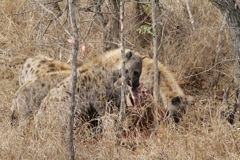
column 58, row 15
column 38, row 23
column 46, row 3
column 190, row 14
column 218, row 50
column 155, row 61
column 122, row 37
column 209, row 69
column 75, row 49
column 14, row 27
column 161, row 39
column 95, row 12
column 55, row 16
column 24, row 12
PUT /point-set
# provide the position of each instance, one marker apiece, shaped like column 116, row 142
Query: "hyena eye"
column 126, row 71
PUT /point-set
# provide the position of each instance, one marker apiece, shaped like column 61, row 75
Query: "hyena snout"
column 134, row 79
column 179, row 106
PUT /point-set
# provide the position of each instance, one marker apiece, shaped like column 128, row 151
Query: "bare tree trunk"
column 155, row 62
column 75, row 48
column 231, row 10
column 123, row 87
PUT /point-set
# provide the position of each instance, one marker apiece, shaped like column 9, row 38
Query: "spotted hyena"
column 29, row 96
column 94, row 85
column 172, row 96
column 95, row 90
column 37, row 66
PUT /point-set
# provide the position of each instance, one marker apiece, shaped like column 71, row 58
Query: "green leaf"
column 148, row 9
column 145, row 28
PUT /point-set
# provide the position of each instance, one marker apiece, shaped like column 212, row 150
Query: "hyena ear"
column 129, row 55
column 144, row 57
column 176, row 100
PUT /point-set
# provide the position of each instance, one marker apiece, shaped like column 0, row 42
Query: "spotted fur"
column 169, row 88
column 37, row 66
column 29, row 96
column 170, row 91
column 93, row 84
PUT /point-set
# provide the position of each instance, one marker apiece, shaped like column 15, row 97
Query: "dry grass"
column 202, row 134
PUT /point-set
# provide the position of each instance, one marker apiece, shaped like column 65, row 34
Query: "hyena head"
column 179, row 106
column 133, row 69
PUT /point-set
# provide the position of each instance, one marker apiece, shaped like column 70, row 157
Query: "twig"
column 218, row 49
column 95, row 11
column 29, row 36
column 15, row 28
column 55, row 16
column 226, row 95
column 24, row 12
column 227, row 60
column 190, row 14
column 58, row 15
column 136, row 17
column 161, row 41
column 46, row 3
